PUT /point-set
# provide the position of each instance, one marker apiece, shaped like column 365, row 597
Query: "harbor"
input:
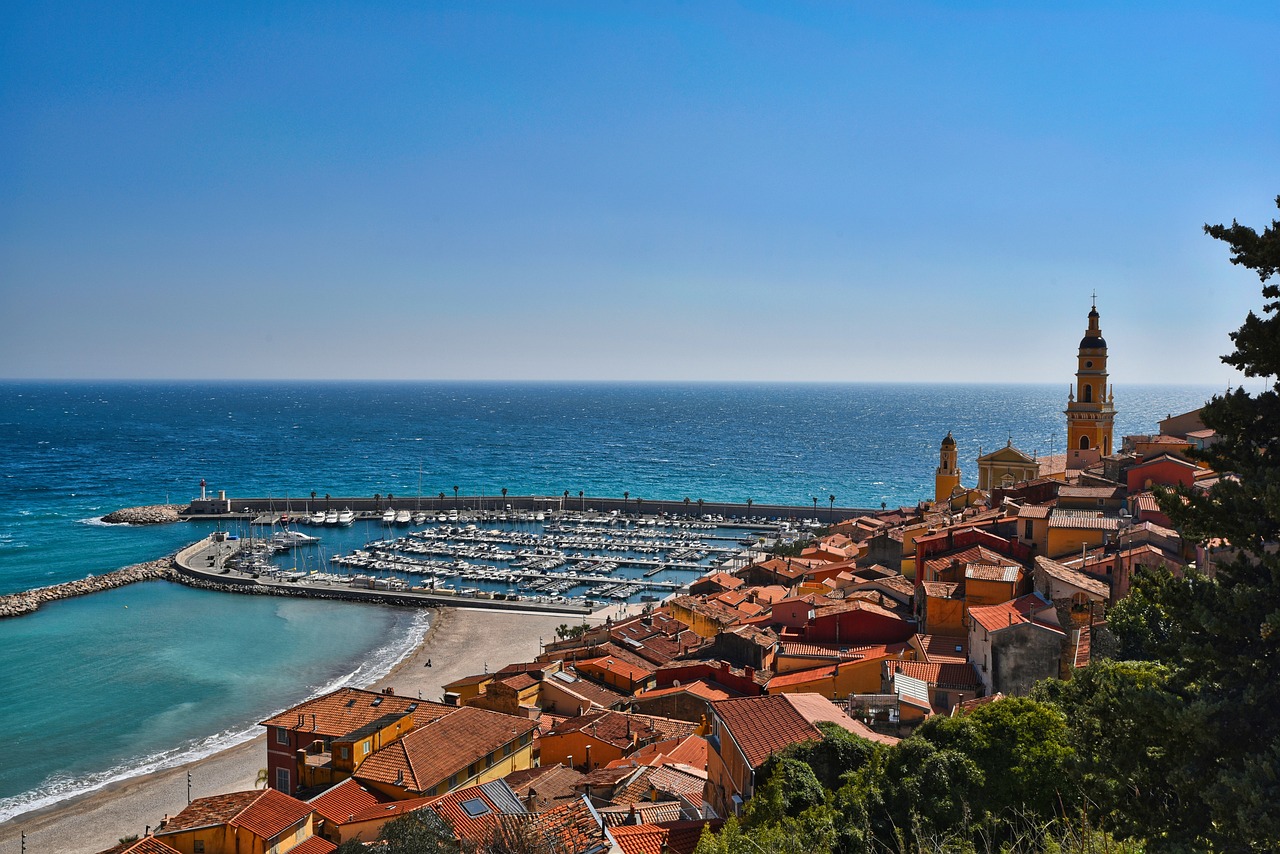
column 575, row 561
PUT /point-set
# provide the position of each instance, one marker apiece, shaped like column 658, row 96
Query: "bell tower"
column 947, row 477
column 1090, row 409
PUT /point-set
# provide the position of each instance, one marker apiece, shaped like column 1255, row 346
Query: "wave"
column 59, row 787
column 97, row 522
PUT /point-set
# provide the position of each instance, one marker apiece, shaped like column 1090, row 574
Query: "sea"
column 116, row 684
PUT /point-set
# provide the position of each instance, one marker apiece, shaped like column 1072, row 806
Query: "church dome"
column 948, row 440
column 1093, row 342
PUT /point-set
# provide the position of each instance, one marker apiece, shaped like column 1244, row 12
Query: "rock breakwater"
column 17, row 604
column 152, row 514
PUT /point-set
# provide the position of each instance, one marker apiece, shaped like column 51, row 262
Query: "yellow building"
column 1005, row 467
column 947, row 476
column 1090, row 404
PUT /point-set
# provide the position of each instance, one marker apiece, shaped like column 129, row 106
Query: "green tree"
column 1223, row 640
column 419, row 832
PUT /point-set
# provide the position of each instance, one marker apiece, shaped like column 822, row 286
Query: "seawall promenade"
column 17, row 604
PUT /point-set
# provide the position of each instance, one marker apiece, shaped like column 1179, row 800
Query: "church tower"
column 1090, row 404
column 947, row 477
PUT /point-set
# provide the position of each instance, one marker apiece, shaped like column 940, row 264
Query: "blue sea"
column 155, row 674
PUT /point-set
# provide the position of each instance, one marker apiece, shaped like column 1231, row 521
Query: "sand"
column 460, row 642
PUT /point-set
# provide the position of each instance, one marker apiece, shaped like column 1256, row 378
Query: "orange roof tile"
column 346, row 710
column 344, row 800
column 698, row 688
column 1023, row 610
column 428, row 755
column 942, row 674
column 263, row 813
column 622, row 729
column 145, row 845
column 313, row 845
column 573, row 826
column 645, row 812
column 761, row 726
column 546, row 784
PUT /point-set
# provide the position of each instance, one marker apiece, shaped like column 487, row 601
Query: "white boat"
column 288, row 539
column 403, row 517
column 331, row 518
column 317, row 518
column 419, row 518
column 388, row 516
column 346, row 518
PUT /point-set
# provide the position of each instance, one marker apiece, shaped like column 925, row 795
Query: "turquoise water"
column 93, row 690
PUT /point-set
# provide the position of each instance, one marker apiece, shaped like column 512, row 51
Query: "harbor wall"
column 189, row 571
column 26, row 602
column 239, row 506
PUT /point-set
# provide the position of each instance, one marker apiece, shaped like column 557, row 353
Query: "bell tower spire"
column 947, row 477
column 1090, row 405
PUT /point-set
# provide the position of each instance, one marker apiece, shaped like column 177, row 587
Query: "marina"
column 580, row 560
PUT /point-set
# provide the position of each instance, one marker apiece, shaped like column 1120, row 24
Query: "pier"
column 202, row 564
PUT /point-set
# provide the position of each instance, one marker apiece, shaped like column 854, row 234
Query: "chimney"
column 749, row 672
column 588, row 761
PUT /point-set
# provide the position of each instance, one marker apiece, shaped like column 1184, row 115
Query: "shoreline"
column 458, row 642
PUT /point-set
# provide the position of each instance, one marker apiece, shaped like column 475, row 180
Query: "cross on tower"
column 1094, row 295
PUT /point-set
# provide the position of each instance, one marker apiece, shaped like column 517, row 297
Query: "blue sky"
column 753, row 191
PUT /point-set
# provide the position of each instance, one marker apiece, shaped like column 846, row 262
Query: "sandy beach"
column 459, row 642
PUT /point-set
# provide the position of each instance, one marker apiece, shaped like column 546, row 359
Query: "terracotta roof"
column 573, row 826
column 826, row 671
column 346, row 710
column 668, row 837
column 1088, row 520
column 472, row 811
column 990, row 572
column 1103, row 492
column 940, row 589
column 622, row 729
column 645, row 813
column 690, row 750
column 972, row 554
column 343, row 801
column 698, row 688
column 1146, row 502
column 313, row 845
column 547, row 784
column 424, row 757
column 264, row 813
column 628, row 671
column 477, row 679
column 966, row 706
column 761, row 726
column 1020, row 611
column 389, row 810
column 1070, row 576
column 942, row 674
column 1034, row 511
column 591, row 692
column 945, row 649
column 518, row 681
column 663, row 782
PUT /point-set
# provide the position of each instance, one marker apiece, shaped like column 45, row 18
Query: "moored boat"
column 346, row 518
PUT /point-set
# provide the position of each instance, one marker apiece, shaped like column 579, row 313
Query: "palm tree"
column 686, row 505
column 582, row 501
column 638, row 499
column 326, row 501
column 749, row 503
column 832, row 499
column 699, row 506
column 313, row 495
column 565, row 505
column 883, row 505
column 377, row 501
column 455, row 498
column 815, row 506
column 441, row 504
column 504, row 498
column 263, row 779
column 625, row 496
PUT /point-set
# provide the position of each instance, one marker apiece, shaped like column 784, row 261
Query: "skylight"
column 475, row 807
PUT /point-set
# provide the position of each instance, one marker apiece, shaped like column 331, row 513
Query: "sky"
column 630, row 191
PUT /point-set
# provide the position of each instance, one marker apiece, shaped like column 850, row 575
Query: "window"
column 1084, row 443
column 1087, row 395
column 1026, row 530
column 344, row 752
column 507, row 748
column 282, row 780
column 282, row 735
column 197, row 845
column 364, row 748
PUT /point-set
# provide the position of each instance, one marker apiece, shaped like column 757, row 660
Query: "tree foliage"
column 1225, row 651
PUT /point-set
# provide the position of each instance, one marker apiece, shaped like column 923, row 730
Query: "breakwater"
column 152, row 514
column 17, row 604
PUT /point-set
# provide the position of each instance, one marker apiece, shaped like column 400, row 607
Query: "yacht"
column 388, row 516
column 402, row 517
column 317, row 518
column 331, row 518
column 346, row 518
column 419, row 518
column 289, row 538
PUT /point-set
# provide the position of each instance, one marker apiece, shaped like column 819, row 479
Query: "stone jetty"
column 17, row 604
column 153, row 514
